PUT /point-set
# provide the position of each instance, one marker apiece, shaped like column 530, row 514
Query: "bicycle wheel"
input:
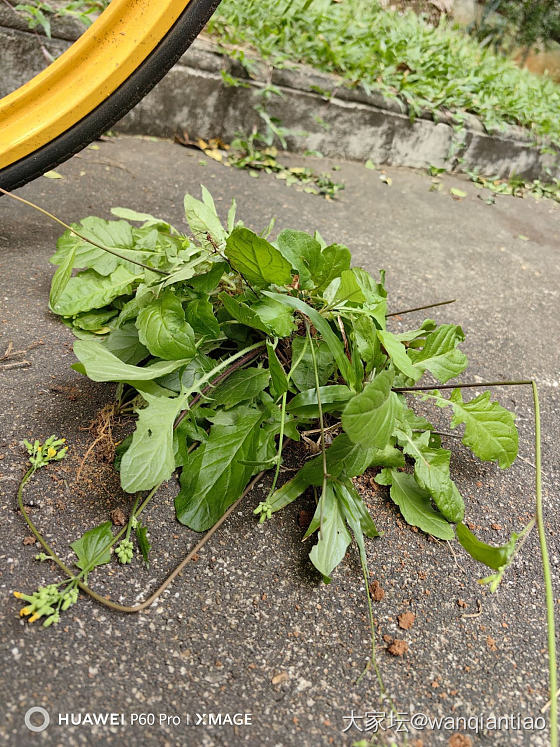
column 111, row 67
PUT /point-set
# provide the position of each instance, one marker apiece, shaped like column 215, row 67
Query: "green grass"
column 397, row 54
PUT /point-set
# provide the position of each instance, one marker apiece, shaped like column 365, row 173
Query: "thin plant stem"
column 373, row 660
column 549, row 594
column 321, row 424
column 468, row 385
column 53, row 556
column 384, row 696
column 280, row 445
column 421, row 308
column 80, row 236
column 132, row 517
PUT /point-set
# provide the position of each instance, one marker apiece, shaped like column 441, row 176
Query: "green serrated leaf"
column 112, row 234
column 344, row 289
column 364, row 333
column 207, row 282
column 303, row 253
column 440, row 354
column 277, row 317
column 256, row 259
column 387, row 457
column 243, row 313
column 89, row 290
column 203, row 220
column 431, row 470
column 490, row 430
column 428, row 325
column 334, row 259
column 432, row 473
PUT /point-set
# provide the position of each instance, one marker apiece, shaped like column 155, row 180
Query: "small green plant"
column 518, row 187
column 39, row 14
column 231, row 344
column 41, row 454
column 252, row 152
column 48, row 601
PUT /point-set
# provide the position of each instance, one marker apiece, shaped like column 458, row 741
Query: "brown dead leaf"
column 279, row 678
column 214, row 147
column 30, row 540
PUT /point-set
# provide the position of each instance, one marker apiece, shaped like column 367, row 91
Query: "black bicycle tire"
column 120, row 102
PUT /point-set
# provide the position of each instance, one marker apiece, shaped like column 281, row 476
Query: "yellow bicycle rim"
column 84, row 76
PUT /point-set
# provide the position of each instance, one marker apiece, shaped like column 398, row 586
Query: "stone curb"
column 322, row 113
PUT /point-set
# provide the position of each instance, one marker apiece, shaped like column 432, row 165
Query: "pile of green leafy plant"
column 398, row 53
column 231, row 344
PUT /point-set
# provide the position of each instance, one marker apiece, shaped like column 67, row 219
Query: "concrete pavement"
column 249, row 628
